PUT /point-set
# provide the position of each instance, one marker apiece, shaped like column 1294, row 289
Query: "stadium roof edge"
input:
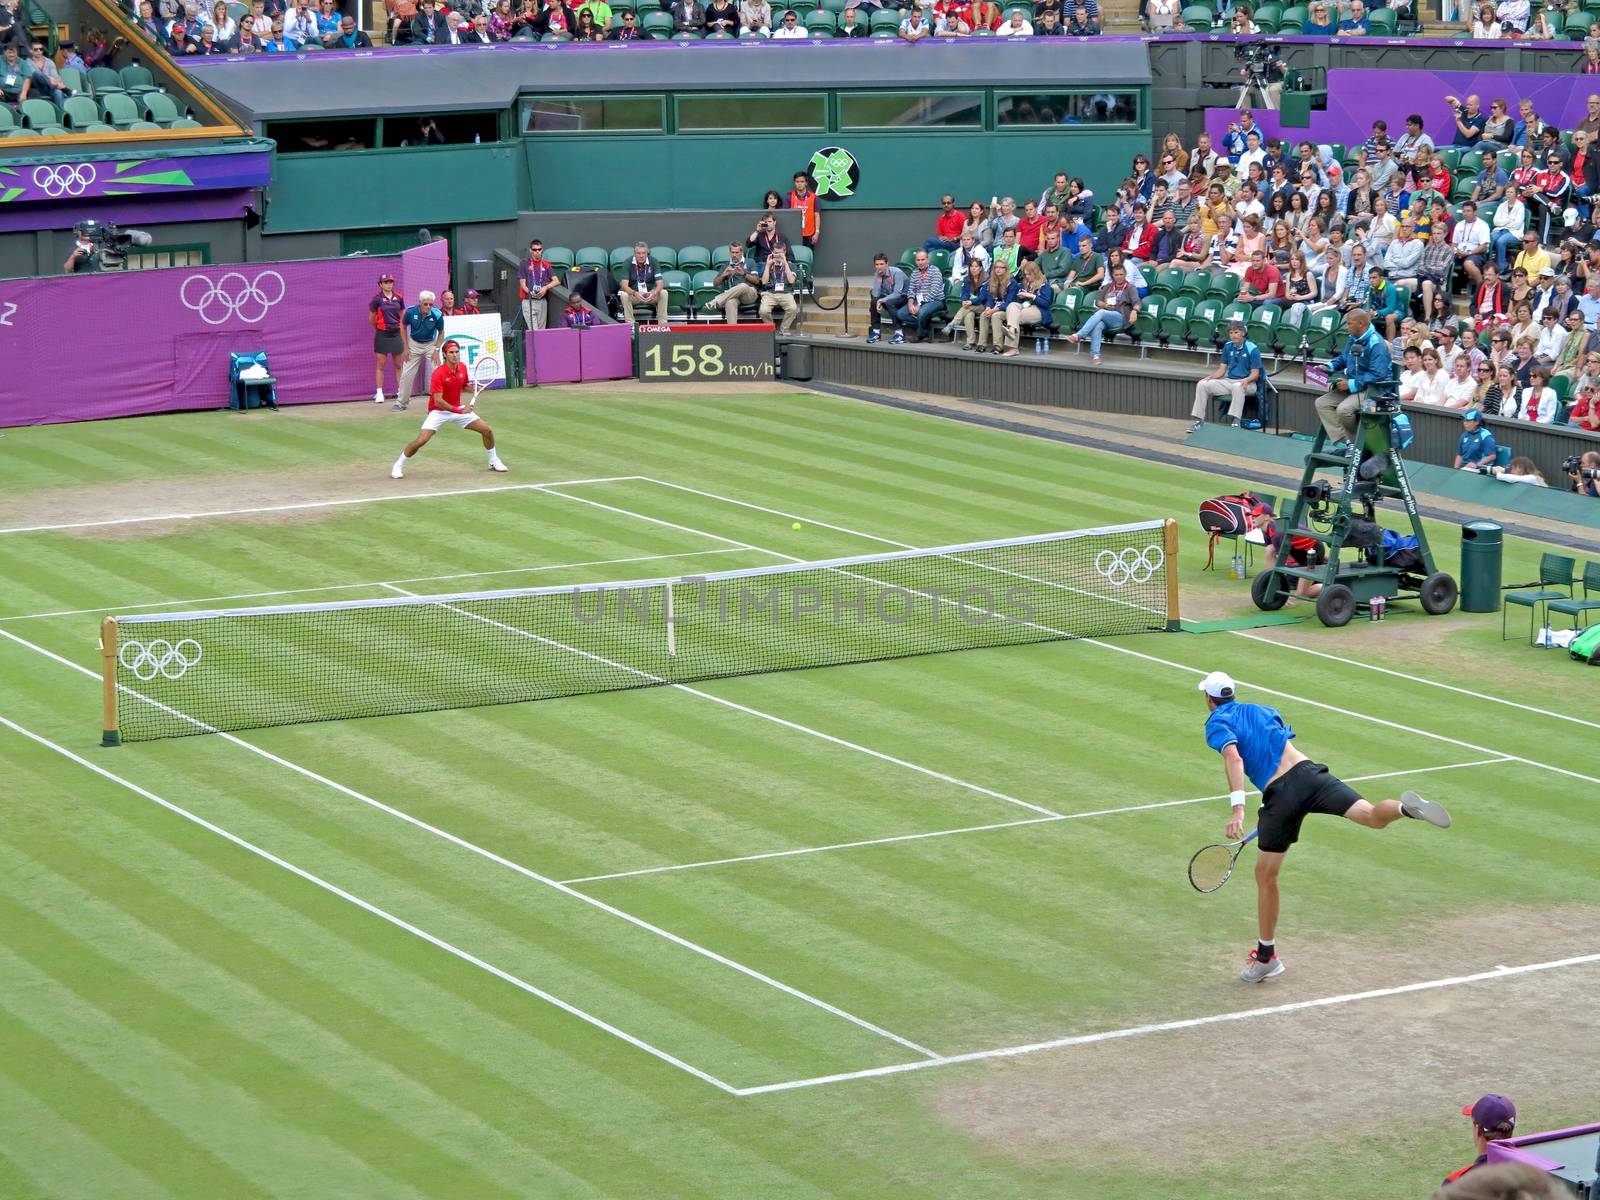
column 441, row 80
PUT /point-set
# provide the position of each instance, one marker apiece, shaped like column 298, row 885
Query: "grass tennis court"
column 916, row 928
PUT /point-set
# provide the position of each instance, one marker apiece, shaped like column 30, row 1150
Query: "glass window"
column 195, row 254
column 313, row 137
column 1066, row 108
column 904, row 110
column 752, row 112
column 587, row 114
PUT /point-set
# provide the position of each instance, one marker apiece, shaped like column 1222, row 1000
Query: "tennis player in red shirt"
column 445, row 408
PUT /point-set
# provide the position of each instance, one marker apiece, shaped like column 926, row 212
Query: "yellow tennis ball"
column 795, row 527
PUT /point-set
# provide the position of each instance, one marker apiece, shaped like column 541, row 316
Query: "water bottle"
column 1238, row 566
column 1040, row 345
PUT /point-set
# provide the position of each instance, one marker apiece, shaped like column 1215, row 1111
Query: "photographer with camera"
column 98, row 246
column 1363, row 361
column 1584, row 472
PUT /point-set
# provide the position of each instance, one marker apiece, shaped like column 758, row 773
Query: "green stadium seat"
column 1169, row 282
column 618, row 258
column 805, row 263
column 1195, row 284
column 144, row 127
column 693, row 258
column 835, row 6
column 1293, row 19
column 1461, row 190
column 1340, row 151
column 160, row 108
column 720, row 256
column 1224, row 286
column 1202, row 327
column 119, row 109
column 549, row 37
column 185, row 123
column 687, row 36
column 884, row 20
column 136, row 79
column 1383, row 22
column 1175, row 318
column 908, row 260
column 8, row 119
column 939, row 259
column 666, row 257
column 1322, row 330
column 1263, row 325
column 560, row 258
column 41, row 116
column 723, row 36
column 657, row 25
column 1450, row 156
column 1235, row 311
column 1064, row 308
column 26, row 133
column 889, row 35
column 1577, row 26
column 1147, row 321
column 1198, row 18
column 702, row 290
column 105, row 82
column 1471, row 161
column 590, row 257
column 1287, row 335
column 73, row 80
column 822, row 21
column 80, row 112
column 677, row 283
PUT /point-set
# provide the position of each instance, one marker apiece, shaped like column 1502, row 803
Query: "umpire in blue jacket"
column 1364, row 361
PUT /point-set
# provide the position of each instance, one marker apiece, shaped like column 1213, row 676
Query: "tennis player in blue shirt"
column 1256, row 742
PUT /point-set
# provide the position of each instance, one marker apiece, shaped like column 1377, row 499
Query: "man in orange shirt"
column 803, row 198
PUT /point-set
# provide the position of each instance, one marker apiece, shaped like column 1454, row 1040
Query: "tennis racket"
column 1211, row 865
column 484, row 372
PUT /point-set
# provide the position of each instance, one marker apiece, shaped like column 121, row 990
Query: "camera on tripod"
column 1254, row 55
column 107, row 244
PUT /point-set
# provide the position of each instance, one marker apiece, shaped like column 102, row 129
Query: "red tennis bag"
column 1226, row 517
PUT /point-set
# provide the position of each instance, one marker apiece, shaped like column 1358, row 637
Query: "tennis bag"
column 1226, row 517
column 1402, row 552
column 1586, row 646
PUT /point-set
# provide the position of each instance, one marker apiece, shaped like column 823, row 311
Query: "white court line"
column 1085, row 641
column 939, row 833
column 500, row 860
column 269, row 508
column 375, row 583
column 367, row 906
column 1088, row 1039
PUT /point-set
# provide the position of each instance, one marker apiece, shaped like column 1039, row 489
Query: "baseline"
column 368, row 906
column 939, row 833
column 1087, row 1039
column 271, row 508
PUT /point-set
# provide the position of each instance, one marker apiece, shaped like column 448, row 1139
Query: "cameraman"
column 1263, row 72
column 1586, row 475
column 84, row 256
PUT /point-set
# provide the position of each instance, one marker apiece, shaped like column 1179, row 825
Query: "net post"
column 672, row 628
column 109, row 734
column 1169, row 548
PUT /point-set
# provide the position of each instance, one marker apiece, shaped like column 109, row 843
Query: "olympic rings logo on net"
column 159, row 657
column 232, row 296
column 1120, row 568
column 65, row 179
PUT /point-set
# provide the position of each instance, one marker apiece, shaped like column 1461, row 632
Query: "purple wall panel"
column 608, row 352
column 160, row 340
column 1356, row 98
column 553, row 355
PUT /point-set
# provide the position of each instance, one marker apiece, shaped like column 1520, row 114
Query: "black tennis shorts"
column 1304, row 788
column 388, row 341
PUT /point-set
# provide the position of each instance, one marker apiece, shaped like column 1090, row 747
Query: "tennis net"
column 175, row 673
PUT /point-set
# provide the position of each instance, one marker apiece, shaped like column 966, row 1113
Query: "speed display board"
column 706, row 353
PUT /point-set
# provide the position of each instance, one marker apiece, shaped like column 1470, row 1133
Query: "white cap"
column 1218, row 685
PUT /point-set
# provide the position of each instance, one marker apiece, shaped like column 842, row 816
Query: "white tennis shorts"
column 439, row 418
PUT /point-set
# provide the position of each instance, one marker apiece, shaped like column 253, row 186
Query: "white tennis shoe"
column 377, row 396
column 1258, row 970
column 498, row 466
column 1430, row 811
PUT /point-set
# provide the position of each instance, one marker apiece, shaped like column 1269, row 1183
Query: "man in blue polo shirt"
column 422, row 326
column 1477, row 447
column 1239, row 372
column 1257, row 743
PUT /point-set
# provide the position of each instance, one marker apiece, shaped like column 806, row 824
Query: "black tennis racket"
column 1211, row 865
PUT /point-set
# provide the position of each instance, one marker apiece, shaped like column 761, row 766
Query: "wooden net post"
column 1169, row 547
column 109, row 735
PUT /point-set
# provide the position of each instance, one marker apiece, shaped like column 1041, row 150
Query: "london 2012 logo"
column 64, row 179
column 232, row 296
column 836, row 171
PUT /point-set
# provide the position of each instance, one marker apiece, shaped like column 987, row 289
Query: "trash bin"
column 796, row 361
column 1480, row 566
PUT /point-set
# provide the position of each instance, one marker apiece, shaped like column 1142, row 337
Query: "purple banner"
column 166, row 348
column 90, row 178
column 1357, row 98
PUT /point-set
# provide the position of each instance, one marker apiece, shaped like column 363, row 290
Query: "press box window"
column 590, row 114
column 899, row 110
column 751, row 112
column 1066, row 108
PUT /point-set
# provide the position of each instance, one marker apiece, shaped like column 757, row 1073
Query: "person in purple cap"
column 1256, row 741
column 1493, row 1117
column 387, row 307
